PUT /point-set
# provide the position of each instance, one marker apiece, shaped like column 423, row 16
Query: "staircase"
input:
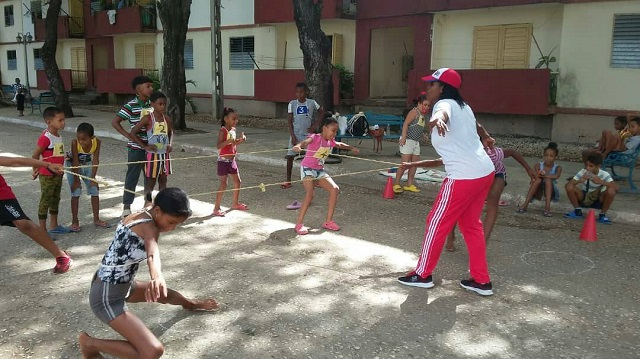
column 391, row 106
column 87, row 97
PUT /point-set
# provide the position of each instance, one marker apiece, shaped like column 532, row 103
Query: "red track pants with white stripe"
column 459, row 201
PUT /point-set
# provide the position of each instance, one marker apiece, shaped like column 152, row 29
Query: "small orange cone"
column 388, row 189
column 588, row 232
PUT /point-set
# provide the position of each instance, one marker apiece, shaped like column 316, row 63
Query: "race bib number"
column 58, row 149
column 322, row 153
column 421, row 121
column 231, row 135
column 145, row 111
column 160, row 128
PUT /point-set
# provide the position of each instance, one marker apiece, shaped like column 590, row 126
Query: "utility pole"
column 217, row 100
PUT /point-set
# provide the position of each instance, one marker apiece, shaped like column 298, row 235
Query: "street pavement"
column 324, row 295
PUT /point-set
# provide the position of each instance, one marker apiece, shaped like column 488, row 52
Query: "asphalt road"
column 324, row 295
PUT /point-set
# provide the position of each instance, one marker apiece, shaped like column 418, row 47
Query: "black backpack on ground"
column 358, row 125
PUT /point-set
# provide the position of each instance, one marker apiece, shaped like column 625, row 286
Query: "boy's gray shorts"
column 108, row 300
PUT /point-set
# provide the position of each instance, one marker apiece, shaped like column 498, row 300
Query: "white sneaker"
column 125, row 213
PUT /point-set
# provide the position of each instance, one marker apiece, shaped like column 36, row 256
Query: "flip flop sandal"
column 295, row 205
column 59, row 230
column 503, row 203
column 301, row 229
column 240, row 207
column 102, row 225
column 285, row 185
column 74, row 228
column 219, row 213
column 521, row 211
column 546, row 214
column 331, row 225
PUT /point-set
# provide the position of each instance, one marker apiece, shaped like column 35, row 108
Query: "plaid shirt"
column 133, row 111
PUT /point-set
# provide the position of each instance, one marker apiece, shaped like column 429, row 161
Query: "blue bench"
column 45, row 98
column 627, row 160
column 7, row 92
column 391, row 124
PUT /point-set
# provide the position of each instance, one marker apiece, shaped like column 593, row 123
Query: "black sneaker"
column 482, row 289
column 415, row 280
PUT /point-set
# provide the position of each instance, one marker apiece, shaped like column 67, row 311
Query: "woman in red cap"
column 454, row 135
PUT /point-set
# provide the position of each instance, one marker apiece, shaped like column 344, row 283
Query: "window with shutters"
column 8, row 16
column 37, row 60
column 241, row 52
column 145, row 56
column 625, row 47
column 188, row 54
column 336, row 49
column 501, row 46
column 36, row 11
column 12, row 60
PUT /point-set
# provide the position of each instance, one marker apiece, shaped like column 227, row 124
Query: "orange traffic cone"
column 588, row 232
column 388, row 189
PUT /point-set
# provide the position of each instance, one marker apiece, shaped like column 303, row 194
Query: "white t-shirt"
column 460, row 148
column 304, row 114
column 588, row 185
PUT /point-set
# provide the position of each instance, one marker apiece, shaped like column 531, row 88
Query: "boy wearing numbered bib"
column 50, row 148
column 158, row 146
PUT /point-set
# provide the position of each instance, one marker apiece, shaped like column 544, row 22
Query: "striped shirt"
column 588, row 185
column 416, row 126
column 497, row 156
column 133, row 111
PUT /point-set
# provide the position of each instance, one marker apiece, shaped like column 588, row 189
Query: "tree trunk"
column 48, row 54
column 174, row 15
column 316, row 51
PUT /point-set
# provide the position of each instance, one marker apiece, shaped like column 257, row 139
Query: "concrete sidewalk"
column 268, row 147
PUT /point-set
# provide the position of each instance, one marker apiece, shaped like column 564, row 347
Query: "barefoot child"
column 84, row 159
column 591, row 187
column 136, row 240
column 547, row 172
column 158, row 146
column 227, row 142
column 11, row 213
column 626, row 140
column 50, row 148
column 302, row 112
column 319, row 146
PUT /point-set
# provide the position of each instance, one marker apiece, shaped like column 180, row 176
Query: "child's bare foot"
column 209, row 305
column 85, row 347
column 101, row 224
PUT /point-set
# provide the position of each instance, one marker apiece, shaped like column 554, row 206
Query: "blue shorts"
column 313, row 173
column 86, row 172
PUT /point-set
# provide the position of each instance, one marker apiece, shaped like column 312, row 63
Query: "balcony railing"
column 68, row 27
column 76, row 27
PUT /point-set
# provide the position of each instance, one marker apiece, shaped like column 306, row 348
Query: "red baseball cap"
column 446, row 75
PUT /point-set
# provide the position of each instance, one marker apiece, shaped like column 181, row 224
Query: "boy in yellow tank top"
column 84, row 157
